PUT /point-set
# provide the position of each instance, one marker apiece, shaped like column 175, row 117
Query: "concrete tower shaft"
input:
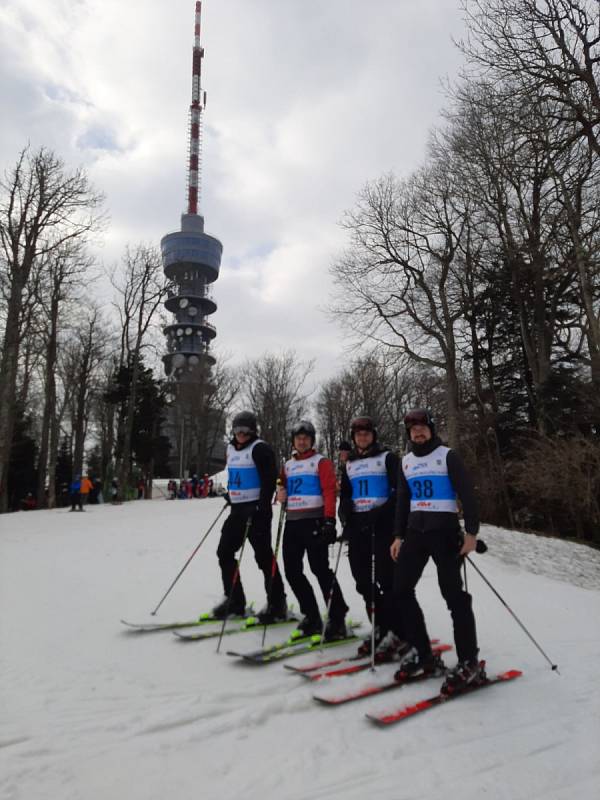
column 191, row 258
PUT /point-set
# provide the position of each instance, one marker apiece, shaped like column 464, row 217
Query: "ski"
column 294, row 645
column 321, row 665
column 151, row 627
column 249, row 624
column 361, row 666
column 369, row 691
column 438, row 699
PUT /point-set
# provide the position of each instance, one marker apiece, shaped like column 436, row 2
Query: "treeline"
column 78, row 384
column 471, row 284
column 482, row 267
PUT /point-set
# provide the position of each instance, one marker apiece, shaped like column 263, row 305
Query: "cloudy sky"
column 306, row 102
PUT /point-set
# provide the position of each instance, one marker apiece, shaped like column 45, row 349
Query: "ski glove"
column 325, row 530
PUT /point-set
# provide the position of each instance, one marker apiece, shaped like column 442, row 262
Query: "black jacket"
column 435, row 520
column 264, row 458
column 383, row 516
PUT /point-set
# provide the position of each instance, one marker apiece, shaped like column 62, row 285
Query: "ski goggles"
column 242, row 429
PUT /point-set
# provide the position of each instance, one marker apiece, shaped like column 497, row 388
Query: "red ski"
column 363, row 665
column 369, row 691
column 438, row 699
column 320, row 665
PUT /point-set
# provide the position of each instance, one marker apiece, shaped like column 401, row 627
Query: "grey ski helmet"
column 244, row 422
column 304, row 426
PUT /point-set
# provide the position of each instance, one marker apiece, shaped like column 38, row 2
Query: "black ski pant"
column 259, row 536
column 299, row 539
column 442, row 545
column 76, row 501
column 361, row 546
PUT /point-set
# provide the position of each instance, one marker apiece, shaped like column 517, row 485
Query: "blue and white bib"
column 369, row 480
column 430, row 486
column 243, row 482
column 303, row 484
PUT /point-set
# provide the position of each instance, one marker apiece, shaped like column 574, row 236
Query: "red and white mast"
column 196, row 109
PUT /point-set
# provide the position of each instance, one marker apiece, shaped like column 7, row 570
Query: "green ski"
column 249, row 624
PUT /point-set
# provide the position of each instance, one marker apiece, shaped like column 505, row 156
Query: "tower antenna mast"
column 196, row 109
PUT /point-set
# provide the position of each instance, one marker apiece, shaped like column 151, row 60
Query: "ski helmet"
column 244, row 422
column 304, row 426
column 419, row 416
column 363, row 423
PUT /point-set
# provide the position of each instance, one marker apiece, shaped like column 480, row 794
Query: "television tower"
column 191, row 258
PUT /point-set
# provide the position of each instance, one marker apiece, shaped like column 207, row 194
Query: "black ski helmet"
column 244, row 422
column 419, row 416
column 304, row 426
column 365, row 423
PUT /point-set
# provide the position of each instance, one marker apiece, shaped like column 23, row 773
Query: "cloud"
column 306, row 102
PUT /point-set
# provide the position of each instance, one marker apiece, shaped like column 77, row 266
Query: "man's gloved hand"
column 325, row 530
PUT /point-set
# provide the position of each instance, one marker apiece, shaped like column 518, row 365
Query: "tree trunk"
column 8, row 385
column 49, row 411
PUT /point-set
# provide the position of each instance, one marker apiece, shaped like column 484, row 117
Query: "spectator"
column 85, row 488
column 75, row 494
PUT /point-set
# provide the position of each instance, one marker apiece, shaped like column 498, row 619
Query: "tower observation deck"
column 191, row 260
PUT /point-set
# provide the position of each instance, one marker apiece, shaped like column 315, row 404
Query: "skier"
column 309, row 488
column 252, row 476
column 75, row 492
column 431, row 479
column 367, row 503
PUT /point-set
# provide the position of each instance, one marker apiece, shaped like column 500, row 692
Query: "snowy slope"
column 90, row 712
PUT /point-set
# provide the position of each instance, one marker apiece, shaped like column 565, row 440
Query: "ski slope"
column 91, row 712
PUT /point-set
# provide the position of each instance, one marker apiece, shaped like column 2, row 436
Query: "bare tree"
column 399, row 283
column 62, row 272
column 272, row 387
column 42, row 207
column 545, row 48
column 141, row 289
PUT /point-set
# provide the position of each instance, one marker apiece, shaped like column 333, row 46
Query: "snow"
column 90, row 711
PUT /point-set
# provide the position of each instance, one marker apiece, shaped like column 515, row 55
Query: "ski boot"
column 364, row 649
column 229, row 608
column 391, row 648
column 412, row 665
column 310, row 626
column 464, row 675
column 273, row 612
column 335, row 630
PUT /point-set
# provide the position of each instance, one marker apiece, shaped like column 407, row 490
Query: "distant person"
column 344, row 450
column 85, row 488
column 114, row 492
column 141, row 489
column 28, row 503
column 171, row 490
column 75, row 494
column 205, row 485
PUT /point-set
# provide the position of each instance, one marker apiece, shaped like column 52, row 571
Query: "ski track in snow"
column 91, row 711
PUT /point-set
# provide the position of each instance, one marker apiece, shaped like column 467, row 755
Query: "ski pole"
column 236, row 577
column 282, row 511
column 330, row 595
column 373, row 599
column 182, row 570
column 511, row 612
